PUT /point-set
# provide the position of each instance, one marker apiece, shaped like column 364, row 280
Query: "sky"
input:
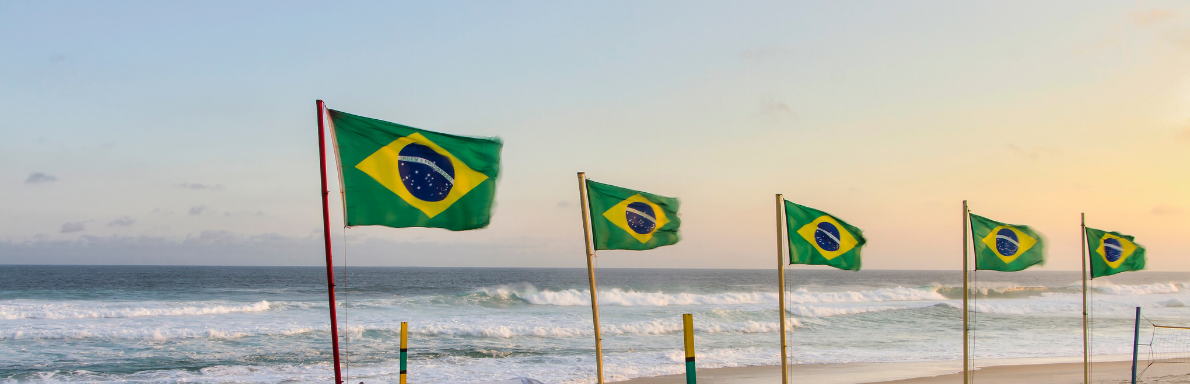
column 184, row 133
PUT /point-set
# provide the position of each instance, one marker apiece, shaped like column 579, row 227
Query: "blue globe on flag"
column 1112, row 249
column 641, row 218
column 827, row 236
column 428, row 175
column 1006, row 242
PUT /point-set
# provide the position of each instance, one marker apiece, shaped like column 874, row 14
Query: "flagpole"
column 966, row 341
column 326, row 236
column 582, row 191
column 1083, row 258
column 781, row 294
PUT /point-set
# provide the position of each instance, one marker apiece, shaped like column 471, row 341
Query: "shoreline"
column 1023, row 371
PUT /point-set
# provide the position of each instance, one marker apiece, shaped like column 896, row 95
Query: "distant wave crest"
column 1145, row 289
column 620, row 297
column 656, row 327
column 87, row 310
column 153, row 334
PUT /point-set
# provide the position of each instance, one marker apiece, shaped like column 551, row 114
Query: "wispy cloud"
column 1117, row 34
column 1145, row 18
column 122, row 221
column 38, row 178
column 1178, row 37
column 201, row 187
column 1166, row 209
column 197, row 209
column 73, row 227
column 775, row 108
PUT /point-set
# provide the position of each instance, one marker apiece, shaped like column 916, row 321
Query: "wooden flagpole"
column 326, row 236
column 1082, row 256
column 781, row 293
column 966, row 340
column 582, row 192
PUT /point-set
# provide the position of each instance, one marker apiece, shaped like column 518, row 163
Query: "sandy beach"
column 1115, row 372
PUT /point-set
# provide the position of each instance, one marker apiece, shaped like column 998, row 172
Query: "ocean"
column 156, row 324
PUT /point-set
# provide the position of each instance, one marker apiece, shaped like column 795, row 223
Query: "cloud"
column 197, row 209
column 73, row 227
column 122, row 221
column 1166, row 209
column 1179, row 37
column 227, row 248
column 775, row 108
column 563, row 204
column 201, row 187
column 38, row 178
column 1151, row 17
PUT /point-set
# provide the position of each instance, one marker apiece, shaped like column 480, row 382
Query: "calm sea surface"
column 270, row 324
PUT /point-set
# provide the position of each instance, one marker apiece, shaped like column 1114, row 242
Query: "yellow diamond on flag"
column 828, row 236
column 638, row 216
column 1008, row 243
column 422, row 173
column 1115, row 249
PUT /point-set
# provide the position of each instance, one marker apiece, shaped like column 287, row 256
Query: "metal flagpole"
column 1135, row 343
column 781, row 294
column 966, row 341
column 326, row 235
column 582, row 192
column 1083, row 257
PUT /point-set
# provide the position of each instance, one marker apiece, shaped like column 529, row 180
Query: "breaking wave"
column 655, row 327
column 620, row 297
column 88, row 310
column 1145, row 289
column 153, row 334
column 1106, row 288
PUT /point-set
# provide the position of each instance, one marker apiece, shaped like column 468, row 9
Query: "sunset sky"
column 185, row 132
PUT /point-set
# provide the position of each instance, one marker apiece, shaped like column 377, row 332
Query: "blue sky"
column 184, row 132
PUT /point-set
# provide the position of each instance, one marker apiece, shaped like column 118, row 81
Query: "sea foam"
column 621, row 297
column 88, row 309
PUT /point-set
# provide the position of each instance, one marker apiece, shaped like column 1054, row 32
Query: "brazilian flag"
column 622, row 218
column 1112, row 253
column 399, row 176
column 817, row 238
column 1005, row 247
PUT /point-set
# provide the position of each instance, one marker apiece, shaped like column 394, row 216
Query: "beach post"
column 582, row 191
column 688, row 331
column 966, row 340
column 1083, row 258
column 326, row 237
column 781, row 293
column 404, row 350
column 1135, row 343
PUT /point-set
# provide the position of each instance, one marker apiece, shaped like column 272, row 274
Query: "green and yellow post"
column 404, row 348
column 688, row 330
